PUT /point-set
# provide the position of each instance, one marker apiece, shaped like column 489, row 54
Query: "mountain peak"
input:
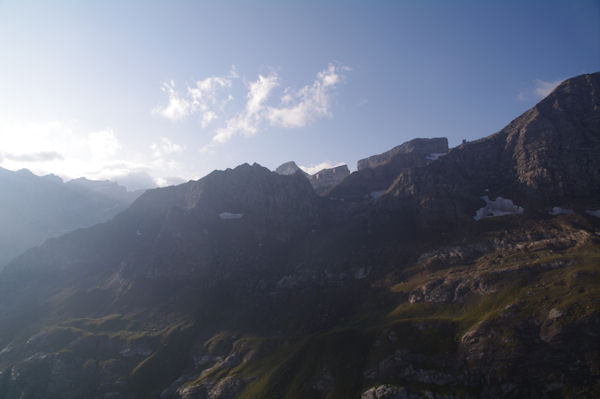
column 288, row 168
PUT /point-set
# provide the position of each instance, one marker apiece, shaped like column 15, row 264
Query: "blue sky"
column 156, row 92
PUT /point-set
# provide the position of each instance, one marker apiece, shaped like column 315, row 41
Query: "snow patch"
column 498, row 207
column 593, row 212
column 560, row 211
column 435, row 155
column 229, row 215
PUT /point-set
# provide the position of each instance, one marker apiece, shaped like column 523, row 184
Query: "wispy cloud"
column 296, row 109
column 178, row 106
column 247, row 121
column 309, row 103
column 203, row 97
column 540, row 89
column 165, row 147
column 43, row 156
column 261, row 109
column 103, row 144
column 543, row 88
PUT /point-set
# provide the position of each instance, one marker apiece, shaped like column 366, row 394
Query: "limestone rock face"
column 424, row 147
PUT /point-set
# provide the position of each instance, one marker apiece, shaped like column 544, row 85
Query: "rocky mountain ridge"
column 248, row 284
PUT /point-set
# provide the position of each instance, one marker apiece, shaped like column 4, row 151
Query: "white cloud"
column 136, row 180
column 311, row 170
column 207, row 118
column 259, row 91
column 44, row 156
column 541, row 89
column 178, row 107
column 168, row 181
column 209, row 97
column 297, row 108
column 103, row 144
column 165, row 147
column 203, row 97
column 247, row 121
column 309, row 103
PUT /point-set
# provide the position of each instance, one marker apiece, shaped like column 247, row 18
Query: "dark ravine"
column 396, row 282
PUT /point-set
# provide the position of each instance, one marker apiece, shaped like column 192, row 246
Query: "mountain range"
column 470, row 272
column 34, row 208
